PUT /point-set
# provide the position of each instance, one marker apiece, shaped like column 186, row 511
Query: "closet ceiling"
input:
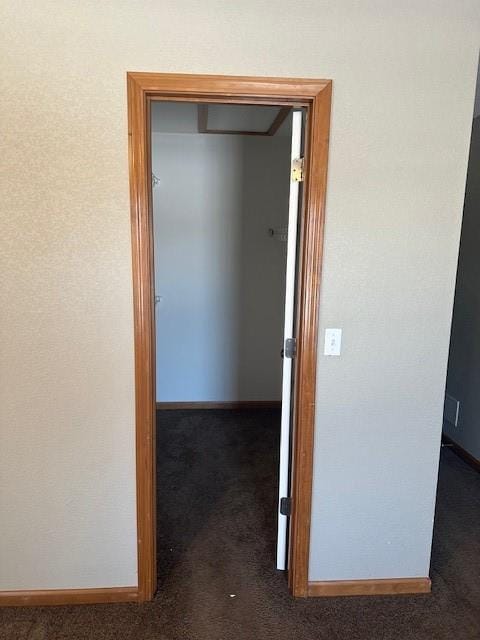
column 188, row 117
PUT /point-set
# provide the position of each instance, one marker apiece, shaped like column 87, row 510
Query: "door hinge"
column 297, row 170
column 290, row 349
column 286, row 506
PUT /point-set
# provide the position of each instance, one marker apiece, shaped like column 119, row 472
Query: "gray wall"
column 220, row 275
column 463, row 379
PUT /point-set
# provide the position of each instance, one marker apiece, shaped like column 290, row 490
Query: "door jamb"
column 315, row 95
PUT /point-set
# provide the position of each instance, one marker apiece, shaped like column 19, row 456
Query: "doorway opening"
column 226, row 185
column 229, row 292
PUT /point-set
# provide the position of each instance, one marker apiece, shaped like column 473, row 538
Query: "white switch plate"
column 333, row 342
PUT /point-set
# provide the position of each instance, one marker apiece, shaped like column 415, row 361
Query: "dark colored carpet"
column 216, row 491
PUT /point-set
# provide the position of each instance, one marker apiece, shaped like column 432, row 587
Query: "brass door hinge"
column 297, row 170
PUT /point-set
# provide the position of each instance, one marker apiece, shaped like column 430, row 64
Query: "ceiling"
column 182, row 117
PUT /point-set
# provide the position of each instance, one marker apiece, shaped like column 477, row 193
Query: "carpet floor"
column 216, row 576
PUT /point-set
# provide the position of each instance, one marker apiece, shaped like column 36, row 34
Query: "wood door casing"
column 315, row 96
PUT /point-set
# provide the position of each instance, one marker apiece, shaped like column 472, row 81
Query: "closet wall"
column 219, row 275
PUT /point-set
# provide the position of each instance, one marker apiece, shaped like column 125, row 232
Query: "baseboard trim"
column 237, row 404
column 462, row 453
column 46, row 597
column 390, row 586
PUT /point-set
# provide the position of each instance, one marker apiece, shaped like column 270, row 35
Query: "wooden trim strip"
column 308, row 293
column 241, row 100
column 47, row 597
column 390, row 586
column 235, row 132
column 177, row 84
column 144, row 335
column 462, row 453
column 236, row 404
column 279, row 120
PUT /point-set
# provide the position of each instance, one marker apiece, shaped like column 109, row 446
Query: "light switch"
column 333, row 342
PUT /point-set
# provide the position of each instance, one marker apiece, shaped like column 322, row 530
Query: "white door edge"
column 283, row 485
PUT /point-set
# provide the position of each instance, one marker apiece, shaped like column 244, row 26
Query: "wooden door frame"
column 315, row 96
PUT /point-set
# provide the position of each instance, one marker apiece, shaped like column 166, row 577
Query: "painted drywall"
column 463, row 377
column 220, row 276
column 404, row 78
column 476, row 109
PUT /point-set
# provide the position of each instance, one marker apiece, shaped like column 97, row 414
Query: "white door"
column 284, row 473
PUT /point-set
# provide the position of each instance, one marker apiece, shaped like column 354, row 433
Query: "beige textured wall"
column 404, row 77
